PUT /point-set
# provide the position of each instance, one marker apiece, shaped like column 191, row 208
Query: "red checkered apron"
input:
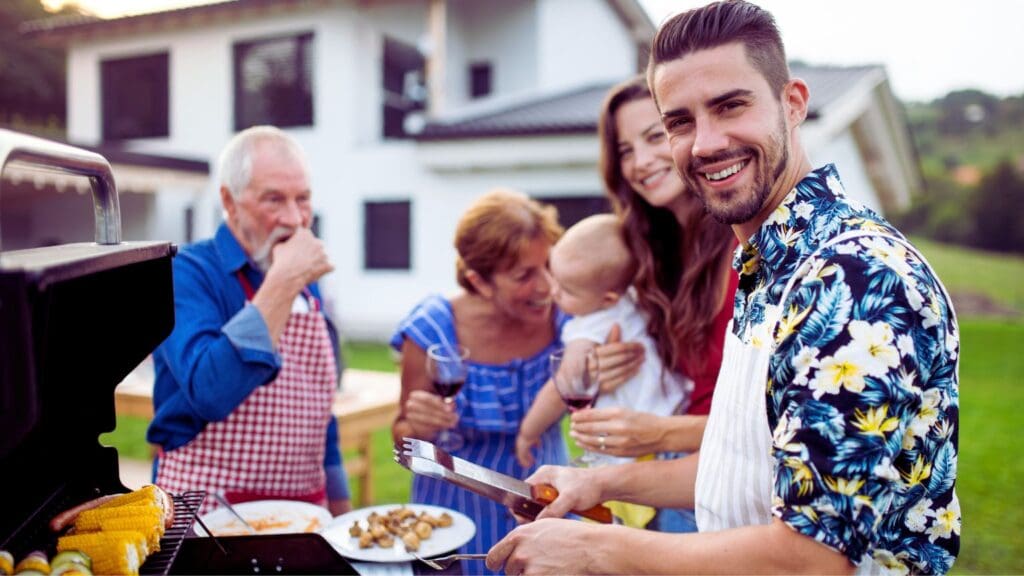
column 272, row 445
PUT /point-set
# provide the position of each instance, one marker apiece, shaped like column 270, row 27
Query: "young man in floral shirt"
column 831, row 446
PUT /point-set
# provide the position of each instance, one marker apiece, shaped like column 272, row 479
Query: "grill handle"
column 65, row 159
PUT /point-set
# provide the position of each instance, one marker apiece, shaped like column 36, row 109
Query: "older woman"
column 684, row 283
column 503, row 314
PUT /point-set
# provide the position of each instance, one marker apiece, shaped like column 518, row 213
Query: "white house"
column 408, row 109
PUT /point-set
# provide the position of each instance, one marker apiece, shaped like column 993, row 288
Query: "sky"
column 929, row 47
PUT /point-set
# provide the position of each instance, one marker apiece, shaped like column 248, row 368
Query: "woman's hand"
column 619, row 431
column 619, row 360
column 427, row 414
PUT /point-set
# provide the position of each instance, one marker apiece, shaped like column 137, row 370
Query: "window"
column 273, row 82
column 386, row 235
column 404, row 89
column 134, row 97
column 480, row 74
column 572, row 209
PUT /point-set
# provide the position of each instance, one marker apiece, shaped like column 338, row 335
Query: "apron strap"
column 314, row 304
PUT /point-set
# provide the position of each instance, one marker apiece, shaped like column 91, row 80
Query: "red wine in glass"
column 578, row 402
column 447, row 367
column 577, row 378
column 448, row 389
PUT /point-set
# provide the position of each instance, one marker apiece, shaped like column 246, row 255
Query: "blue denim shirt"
column 220, row 350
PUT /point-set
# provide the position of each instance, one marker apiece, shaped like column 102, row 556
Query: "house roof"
column 133, row 171
column 61, row 29
column 117, row 155
column 576, row 111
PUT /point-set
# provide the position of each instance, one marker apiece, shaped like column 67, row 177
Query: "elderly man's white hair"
column 235, row 163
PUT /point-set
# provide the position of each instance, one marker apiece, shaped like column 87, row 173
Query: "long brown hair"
column 679, row 278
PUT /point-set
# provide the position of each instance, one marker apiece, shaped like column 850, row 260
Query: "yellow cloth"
column 633, row 515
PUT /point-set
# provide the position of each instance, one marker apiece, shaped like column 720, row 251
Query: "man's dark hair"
column 722, row 23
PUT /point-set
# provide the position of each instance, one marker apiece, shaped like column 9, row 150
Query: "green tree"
column 964, row 111
column 938, row 213
column 998, row 210
column 32, row 79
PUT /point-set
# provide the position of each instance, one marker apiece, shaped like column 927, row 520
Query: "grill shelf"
column 185, row 506
column 36, row 535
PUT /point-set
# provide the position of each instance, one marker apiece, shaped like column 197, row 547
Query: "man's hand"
column 301, row 258
column 297, row 261
column 578, row 489
column 550, row 546
column 619, row 360
column 428, row 414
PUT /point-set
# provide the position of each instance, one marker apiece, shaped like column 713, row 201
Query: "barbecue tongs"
column 422, row 457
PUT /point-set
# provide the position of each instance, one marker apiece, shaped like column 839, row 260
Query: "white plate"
column 441, row 539
column 268, row 517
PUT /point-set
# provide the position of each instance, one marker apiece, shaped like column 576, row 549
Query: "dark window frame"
column 380, row 245
column 119, row 97
column 399, row 96
column 572, row 209
column 481, row 79
column 301, row 111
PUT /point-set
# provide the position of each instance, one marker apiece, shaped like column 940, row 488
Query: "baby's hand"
column 524, row 454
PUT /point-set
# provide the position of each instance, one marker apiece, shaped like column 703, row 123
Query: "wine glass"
column 576, row 375
column 447, row 369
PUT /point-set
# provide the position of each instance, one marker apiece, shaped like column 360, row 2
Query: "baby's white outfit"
column 652, row 390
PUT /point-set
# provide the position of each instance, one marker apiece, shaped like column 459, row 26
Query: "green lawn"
column 990, row 464
column 997, row 276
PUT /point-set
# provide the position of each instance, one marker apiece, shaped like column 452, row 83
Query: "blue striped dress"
column 490, row 405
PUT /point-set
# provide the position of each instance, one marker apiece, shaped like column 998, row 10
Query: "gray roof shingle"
column 576, row 111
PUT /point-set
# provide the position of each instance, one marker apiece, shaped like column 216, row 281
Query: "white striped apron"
column 735, row 476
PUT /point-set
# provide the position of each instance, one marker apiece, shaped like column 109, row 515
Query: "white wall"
column 501, row 32
column 372, row 302
column 842, row 151
column 580, row 42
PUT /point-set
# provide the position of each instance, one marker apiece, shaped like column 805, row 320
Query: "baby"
column 593, row 269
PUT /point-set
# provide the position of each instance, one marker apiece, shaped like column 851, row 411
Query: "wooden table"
column 367, row 401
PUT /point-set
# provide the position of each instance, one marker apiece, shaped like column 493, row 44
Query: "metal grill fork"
column 443, row 562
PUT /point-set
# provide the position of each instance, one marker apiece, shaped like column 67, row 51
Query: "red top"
column 704, row 379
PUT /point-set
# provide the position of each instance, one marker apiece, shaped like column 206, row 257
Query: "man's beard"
column 742, row 209
column 264, row 255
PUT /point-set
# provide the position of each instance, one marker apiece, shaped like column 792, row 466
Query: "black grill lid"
column 74, row 321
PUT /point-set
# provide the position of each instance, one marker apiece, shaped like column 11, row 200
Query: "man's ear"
column 482, row 286
column 227, row 200
column 795, row 97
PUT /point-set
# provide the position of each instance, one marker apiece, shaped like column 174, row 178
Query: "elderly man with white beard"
column 245, row 382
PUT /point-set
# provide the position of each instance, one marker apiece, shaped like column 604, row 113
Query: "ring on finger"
column 602, row 440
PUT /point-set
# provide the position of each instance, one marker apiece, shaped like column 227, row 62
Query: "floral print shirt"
column 862, row 390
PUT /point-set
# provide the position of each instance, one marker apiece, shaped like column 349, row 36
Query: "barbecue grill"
column 75, row 319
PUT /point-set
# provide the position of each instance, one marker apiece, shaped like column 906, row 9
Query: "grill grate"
column 185, row 506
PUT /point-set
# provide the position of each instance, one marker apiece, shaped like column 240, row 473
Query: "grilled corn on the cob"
column 83, row 541
column 147, row 495
column 110, row 554
column 146, row 519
